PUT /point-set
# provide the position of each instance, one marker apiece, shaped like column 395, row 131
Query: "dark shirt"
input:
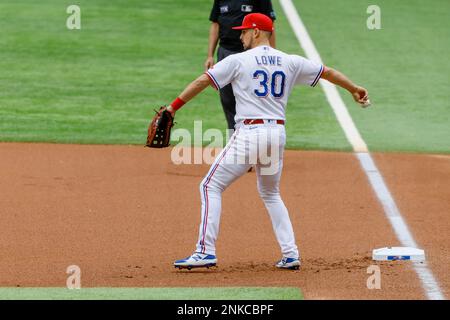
column 230, row 13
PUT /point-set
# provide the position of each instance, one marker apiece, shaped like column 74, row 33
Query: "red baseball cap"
column 256, row 20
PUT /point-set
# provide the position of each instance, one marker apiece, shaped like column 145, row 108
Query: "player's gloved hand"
column 159, row 129
column 209, row 63
column 361, row 96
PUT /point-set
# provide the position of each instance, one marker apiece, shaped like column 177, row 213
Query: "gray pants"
column 226, row 93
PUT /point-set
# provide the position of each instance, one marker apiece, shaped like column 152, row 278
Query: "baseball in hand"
column 366, row 103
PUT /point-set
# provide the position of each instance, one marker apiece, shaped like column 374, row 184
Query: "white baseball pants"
column 248, row 146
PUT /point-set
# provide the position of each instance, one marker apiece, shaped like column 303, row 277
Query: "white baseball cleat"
column 288, row 263
column 196, row 260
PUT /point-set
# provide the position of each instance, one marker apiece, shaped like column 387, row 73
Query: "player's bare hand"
column 209, row 63
column 361, row 96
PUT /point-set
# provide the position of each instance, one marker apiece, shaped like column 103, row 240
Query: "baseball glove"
column 159, row 129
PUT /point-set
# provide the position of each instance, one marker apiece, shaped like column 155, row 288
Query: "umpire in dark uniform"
column 226, row 14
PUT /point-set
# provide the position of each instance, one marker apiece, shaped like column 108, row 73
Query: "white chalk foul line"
column 429, row 283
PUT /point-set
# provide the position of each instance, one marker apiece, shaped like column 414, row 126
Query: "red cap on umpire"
column 256, row 20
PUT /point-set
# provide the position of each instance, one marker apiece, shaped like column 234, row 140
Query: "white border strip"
column 391, row 210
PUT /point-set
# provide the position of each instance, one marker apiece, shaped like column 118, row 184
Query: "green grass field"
column 229, row 293
column 100, row 84
column 404, row 65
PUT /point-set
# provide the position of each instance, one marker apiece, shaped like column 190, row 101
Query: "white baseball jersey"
column 262, row 79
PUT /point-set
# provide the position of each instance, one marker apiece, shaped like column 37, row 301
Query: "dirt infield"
column 124, row 213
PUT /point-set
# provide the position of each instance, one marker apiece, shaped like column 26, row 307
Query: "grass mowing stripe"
column 216, row 293
column 404, row 65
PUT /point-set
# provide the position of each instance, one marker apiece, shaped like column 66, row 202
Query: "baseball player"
column 262, row 79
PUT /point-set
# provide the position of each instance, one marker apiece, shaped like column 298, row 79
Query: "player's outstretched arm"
column 193, row 89
column 358, row 93
column 160, row 127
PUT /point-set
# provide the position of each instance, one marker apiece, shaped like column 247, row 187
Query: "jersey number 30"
column 277, row 83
